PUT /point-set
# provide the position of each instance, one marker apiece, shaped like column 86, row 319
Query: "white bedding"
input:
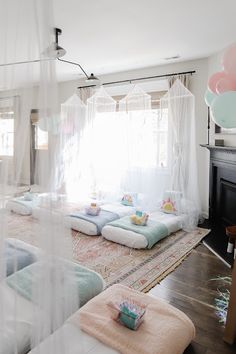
column 76, row 342
column 89, row 228
column 23, row 207
column 20, row 339
column 20, row 208
column 18, row 314
column 135, row 240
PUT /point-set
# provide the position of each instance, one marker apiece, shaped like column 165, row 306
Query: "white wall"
column 197, row 87
column 214, row 65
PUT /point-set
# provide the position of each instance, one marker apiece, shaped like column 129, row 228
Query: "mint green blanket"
column 154, row 231
column 88, row 283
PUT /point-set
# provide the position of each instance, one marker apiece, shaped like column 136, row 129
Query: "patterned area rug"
column 139, row 269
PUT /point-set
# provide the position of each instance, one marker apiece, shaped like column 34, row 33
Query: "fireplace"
column 222, row 199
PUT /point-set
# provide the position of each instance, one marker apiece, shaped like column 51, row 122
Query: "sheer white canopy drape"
column 143, row 165
column 71, row 137
column 180, row 104
column 123, row 148
column 132, row 147
column 51, row 284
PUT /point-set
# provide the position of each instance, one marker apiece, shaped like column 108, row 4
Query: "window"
column 39, row 136
column 41, row 139
column 121, row 150
column 147, row 133
column 7, row 116
column 152, row 133
column 129, row 144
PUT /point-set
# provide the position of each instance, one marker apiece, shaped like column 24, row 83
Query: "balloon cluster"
column 221, row 93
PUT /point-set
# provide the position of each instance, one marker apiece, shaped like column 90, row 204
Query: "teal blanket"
column 154, row 231
column 86, row 282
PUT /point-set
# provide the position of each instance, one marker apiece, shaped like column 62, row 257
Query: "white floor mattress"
column 18, row 313
column 76, row 342
column 20, row 208
column 90, row 228
column 135, row 240
column 20, row 339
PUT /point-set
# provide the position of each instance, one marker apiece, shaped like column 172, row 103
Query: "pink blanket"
column 165, row 329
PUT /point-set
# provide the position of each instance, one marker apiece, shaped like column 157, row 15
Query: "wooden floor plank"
column 191, row 289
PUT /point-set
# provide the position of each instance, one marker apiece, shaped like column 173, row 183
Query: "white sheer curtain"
column 103, row 144
column 183, row 174
column 86, row 92
column 71, row 136
column 145, row 159
column 52, row 285
column 87, row 145
column 126, row 149
column 135, row 148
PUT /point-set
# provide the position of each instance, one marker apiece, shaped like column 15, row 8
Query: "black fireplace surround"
column 222, row 198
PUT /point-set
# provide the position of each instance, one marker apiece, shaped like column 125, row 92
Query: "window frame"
column 8, row 111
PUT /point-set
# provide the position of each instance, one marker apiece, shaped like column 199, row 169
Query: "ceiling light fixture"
column 55, row 51
column 92, row 78
column 89, row 78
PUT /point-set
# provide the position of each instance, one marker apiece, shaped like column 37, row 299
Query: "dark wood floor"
column 191, row 289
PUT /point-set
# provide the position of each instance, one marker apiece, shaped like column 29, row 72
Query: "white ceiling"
column 107, row 36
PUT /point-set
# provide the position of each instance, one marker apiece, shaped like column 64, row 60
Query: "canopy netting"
column 51, row 284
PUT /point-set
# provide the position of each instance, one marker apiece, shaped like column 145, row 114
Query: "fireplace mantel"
column 224, row 153
column 214, row 147
column 222, row 198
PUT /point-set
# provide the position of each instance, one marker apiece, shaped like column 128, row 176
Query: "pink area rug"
column 139, row 269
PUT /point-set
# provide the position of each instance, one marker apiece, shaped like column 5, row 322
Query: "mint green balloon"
column 223, row 110
column 209, row 97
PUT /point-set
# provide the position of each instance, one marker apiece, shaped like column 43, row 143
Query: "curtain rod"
column 142, row 78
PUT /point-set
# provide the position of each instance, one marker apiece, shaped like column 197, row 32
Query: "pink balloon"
column 214, row 79
column 226, row 84
column 229, row 60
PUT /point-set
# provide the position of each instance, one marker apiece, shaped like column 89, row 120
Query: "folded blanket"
column 165, row 329
column 154, row 231
column 87, row 282
column 17, row 257
column 99, row 221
